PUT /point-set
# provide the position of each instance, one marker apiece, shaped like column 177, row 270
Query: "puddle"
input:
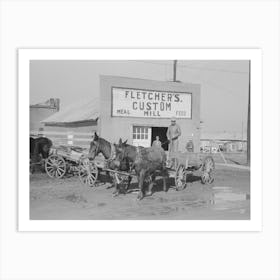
column 228, row 196
column 101, row 204
column 224, row 194
column 224, row 189
column 74, row 198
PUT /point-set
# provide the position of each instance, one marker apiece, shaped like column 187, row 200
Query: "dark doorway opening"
column 161, row 132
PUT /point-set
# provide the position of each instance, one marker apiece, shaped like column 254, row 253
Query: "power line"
column 213, row 69
column 215, row 85
column 202, row 80
column 193, row 67
column 226, row 90
column 154, row 63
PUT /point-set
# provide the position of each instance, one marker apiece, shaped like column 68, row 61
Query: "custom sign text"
column 140, row 103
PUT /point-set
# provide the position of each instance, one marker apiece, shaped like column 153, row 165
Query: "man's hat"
column 173, row 119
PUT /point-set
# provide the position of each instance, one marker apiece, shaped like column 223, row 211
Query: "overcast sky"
column 224, row 84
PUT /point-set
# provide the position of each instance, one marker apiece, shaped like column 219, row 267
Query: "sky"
column 224, row 84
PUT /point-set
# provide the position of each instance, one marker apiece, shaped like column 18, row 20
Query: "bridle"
column 113, row 153
column 96, row 149
column 122, row 156
column 123, row 153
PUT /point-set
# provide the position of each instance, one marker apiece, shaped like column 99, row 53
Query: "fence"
column 81, row 139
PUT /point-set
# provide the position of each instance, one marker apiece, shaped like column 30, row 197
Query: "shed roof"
column 84, row 111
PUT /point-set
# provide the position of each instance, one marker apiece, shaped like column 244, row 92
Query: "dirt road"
column 228, row 198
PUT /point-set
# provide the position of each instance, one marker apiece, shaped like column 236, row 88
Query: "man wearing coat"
column 173, row 134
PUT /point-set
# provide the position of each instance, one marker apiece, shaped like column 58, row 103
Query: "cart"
column 186, row 164
column 71, row 160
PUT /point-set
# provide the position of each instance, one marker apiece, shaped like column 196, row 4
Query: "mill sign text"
column 140, row 103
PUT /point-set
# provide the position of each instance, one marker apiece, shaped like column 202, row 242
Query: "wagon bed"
column 72, row 160
column 187, row 158
column 185, row 164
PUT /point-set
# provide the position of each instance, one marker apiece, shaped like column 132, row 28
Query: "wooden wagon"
column 71, row 160
column 184, row 165
column 74, row 160
column 181, row 166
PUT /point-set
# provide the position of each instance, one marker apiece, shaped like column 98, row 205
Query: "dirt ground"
column 228, row 198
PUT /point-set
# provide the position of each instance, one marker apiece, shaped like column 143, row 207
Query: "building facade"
column 138, row 110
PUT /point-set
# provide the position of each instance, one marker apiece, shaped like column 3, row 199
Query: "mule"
column 108, row 150
column 146, row 162
column 39, row 148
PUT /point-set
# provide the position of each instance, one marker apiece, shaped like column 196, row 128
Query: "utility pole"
column 249, row 120
column 174, row 70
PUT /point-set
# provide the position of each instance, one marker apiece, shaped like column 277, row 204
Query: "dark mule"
column 39, row 148
column 146, row 162
column 108, row 150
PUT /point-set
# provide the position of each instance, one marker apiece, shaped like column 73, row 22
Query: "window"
column 140, row 132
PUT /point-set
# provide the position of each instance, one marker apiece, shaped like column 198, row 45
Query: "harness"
column 113, row 154
column 138, row 154
column 96, row 149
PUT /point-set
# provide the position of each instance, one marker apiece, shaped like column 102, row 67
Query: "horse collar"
column 113, row 153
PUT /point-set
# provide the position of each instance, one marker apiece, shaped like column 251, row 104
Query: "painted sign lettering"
column 140, row 103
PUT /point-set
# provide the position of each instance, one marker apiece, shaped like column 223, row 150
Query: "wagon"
column 71, row 160
column 184, row 165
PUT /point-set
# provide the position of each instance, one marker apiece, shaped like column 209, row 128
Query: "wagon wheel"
column 172, row 163
column 207, row 171
column 55, row 166
column 180, row 177
column 88, row 172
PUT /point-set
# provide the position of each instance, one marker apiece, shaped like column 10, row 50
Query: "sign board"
column 139, row 103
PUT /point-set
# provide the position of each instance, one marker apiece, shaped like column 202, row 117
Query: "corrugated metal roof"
column 86, row 110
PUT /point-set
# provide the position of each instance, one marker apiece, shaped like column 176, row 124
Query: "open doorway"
column 161, row 132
